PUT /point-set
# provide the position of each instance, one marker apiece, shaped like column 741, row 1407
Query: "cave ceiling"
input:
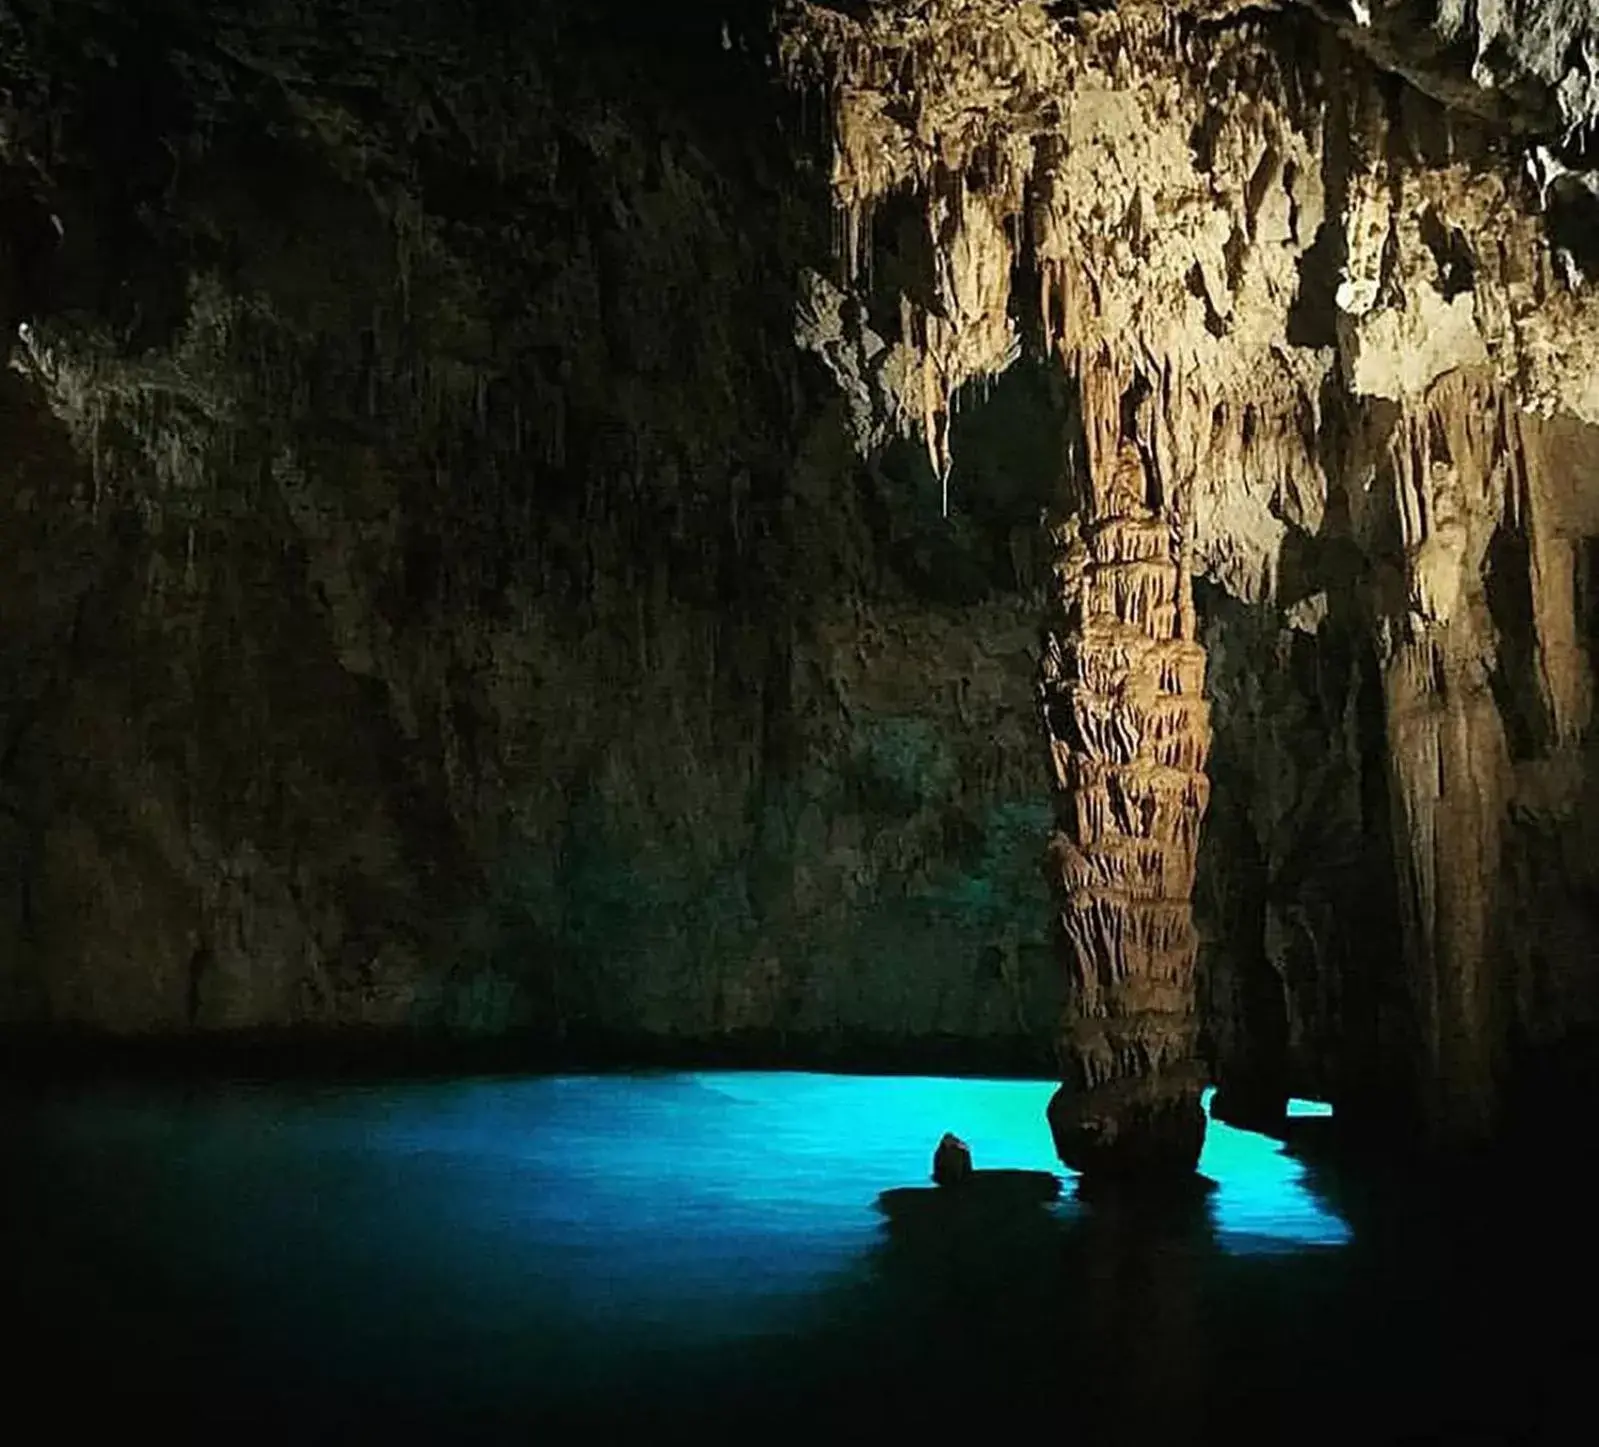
column 1253, row 220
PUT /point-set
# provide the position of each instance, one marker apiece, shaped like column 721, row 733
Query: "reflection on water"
column 466, row 1258
column 1262, row 1201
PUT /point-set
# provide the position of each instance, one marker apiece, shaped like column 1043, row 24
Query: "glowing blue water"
column 626, row 1194
column 581, row 1232
column 1261, row 1201
column 454, row 1261
column 1304, row 1109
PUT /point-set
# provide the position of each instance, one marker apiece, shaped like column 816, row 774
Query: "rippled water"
column 494, row 1257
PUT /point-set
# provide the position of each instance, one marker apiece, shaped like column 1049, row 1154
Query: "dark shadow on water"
column 1081, row 1312
column 1459, row 1314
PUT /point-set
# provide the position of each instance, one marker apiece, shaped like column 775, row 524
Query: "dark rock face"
column 439, row 593
column 1298, row 987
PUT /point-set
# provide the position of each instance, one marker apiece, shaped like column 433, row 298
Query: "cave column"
column 1128, row 731
column 1448, row 754
column 1447, row 761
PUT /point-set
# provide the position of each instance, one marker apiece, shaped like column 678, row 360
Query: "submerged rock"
column 982, row 1200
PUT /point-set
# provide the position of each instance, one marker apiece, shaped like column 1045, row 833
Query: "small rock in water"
column 952, row 1161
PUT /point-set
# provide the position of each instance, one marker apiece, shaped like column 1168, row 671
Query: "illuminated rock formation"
column 1332, row 310
column 1128, row 731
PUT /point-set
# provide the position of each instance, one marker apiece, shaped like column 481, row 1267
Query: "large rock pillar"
column 1457, row 459
column 1129, row 733
column 1448, row 765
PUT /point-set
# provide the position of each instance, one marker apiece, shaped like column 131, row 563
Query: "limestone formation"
column 952, row 1161
column 1334, row 289
column 1122, row 698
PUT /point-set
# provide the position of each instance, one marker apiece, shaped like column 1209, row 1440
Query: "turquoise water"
column 463, row 1259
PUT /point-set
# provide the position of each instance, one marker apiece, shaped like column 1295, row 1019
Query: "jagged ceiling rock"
column 1450, row 266
column 1531, row 64
column 1224, row 211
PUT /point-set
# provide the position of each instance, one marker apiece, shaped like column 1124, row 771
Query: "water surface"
column 507, row 1258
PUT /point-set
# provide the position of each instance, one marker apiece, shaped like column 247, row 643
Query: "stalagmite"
column 1129, row 734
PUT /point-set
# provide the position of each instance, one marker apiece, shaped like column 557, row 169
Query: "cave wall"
column 1302, row 993
column 490, row 546
column 439, row 593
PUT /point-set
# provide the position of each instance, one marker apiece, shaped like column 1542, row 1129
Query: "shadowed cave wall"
column 440, row 595
column 443, row 595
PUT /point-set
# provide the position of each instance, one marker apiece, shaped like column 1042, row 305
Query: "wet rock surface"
column 978, row 1193
column 952, row 1161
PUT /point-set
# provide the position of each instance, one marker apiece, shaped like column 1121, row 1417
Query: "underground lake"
column 702, row 1255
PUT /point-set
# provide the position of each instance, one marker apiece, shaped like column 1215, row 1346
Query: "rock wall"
column 438, row 593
